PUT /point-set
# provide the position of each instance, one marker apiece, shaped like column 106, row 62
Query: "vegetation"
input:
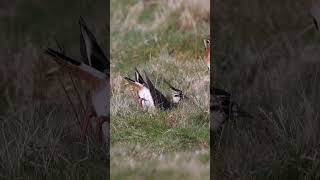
column 267, row 56
column 39, row 131
column 164, row 38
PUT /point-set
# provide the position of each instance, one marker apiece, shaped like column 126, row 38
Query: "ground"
column 267, row 55
column 39, row 131
column 166, row 40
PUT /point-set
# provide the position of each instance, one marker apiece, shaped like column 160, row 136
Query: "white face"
column 206, row 43
column 176, row 99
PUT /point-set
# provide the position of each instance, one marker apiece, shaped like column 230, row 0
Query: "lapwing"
column 223, row 108
column 314, row 8
column 94, row 69
column 206, row 57
column 149, row 97
column 143, row 94
column 177, row 95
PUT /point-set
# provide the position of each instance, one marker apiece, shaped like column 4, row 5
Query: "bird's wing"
column 159, row 99
column 91, row 52
column 138, row 77
column 84, row 71
column 134, row 84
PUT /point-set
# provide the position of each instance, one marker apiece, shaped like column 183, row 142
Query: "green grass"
column 164, row 144
column 158, row 134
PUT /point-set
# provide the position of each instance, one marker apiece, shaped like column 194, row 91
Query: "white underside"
column 100, row 102
column 93, row 71
column 209, row 61
column 147, row 100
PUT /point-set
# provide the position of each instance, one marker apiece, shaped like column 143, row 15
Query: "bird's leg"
column 139, row 101
column 100, row 121
column 90, row 113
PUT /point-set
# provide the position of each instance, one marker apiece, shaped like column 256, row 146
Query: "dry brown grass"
column 267, row 57
column 187, row 165
column 39, row 131
column 156, row 37
column 190, row 76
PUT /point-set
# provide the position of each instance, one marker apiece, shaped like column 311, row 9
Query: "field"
column 267, row 55
column 39, row 134
column 164, row 38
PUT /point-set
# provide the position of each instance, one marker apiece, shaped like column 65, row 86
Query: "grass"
column 161, row 145
column 267, row 56
column 39, row 133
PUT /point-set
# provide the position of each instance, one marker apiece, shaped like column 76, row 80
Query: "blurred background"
column 39, row 131
column 164, row 38
column 267, row 56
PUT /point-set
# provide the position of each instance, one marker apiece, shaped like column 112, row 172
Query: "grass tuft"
column 154, row 37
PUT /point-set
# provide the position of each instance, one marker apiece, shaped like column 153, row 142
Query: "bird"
column 223, row 108
column 143, row 94
column 314, row 9
column 148, row 97
column 206, row 58
column 176, row 94
column 94, row 69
